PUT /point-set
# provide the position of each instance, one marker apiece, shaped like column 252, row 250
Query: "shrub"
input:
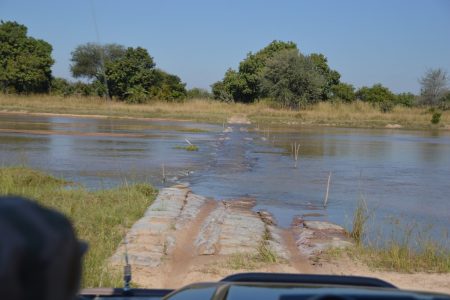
column 436, row 118
column 386, row 106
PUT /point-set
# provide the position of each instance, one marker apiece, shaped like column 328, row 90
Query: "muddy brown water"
column 403, row 175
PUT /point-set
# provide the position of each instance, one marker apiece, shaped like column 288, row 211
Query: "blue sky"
column 392, row 42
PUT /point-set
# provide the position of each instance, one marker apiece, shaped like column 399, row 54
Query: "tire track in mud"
column 299, row 262
column 179, row 262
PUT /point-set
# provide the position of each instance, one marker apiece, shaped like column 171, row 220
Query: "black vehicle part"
column 116, row 292
column 309, row 279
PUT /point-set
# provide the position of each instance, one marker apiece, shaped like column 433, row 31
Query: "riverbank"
column 99, row 217
column 357, row 114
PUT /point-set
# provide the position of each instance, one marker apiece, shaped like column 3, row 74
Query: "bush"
column 436, row 118
column 386, row 106
column 136, row 94
column 375, row 94
column 405, row 99
column 344, row 92
column 198, row 93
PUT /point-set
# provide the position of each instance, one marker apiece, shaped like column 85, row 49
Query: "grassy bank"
column 100, row 217
column 356, row 114
column 408, row 248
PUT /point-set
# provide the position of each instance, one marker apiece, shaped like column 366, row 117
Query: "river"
column 402, row 175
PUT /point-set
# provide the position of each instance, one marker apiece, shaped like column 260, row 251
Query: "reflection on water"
column 403, row 174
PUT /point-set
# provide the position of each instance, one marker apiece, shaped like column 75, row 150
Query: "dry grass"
column 357, row 114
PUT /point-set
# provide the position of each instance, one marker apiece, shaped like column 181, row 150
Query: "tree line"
column 279, row 72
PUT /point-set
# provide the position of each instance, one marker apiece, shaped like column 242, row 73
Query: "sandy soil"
column 213, row 268
column 238, row 119
column 417, row 281
column 93, row 116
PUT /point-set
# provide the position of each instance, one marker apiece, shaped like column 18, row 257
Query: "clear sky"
column 392, row 42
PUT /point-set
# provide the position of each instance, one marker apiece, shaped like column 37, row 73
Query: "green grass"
column 247, row 261
column 99, row 217
column 242, row 261
column 429, row 256
column 360, row 218
column 265, row 253
column 187, row 148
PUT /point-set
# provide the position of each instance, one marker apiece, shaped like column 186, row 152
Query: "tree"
column 292, row 79
column 25, row 62
column 331, row 76
column 244, row 85
column 134, row 78
column 221, row 92
column 168, row 87
column 377, row 95
column 433, row 87
column 344, row 92
column 135, row 68
column 89, row 59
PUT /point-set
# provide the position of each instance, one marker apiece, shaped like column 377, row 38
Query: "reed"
column 360, row 218
column 295, row 148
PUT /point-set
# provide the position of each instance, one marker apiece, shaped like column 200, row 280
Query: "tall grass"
column 408, row 248
column 99, row 217
column 356, row 114
column 360, row 217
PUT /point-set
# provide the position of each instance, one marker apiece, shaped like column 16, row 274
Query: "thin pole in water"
column 295, row 148
column 163, row 174
column 328, row 189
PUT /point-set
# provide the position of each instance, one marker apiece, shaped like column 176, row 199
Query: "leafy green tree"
column 375, row 94
column 135, row 79
column 135, row 68
column 168, row 87
column 434, row 86
column 245, row 84
column 221, row 92
column 137, row 94
column 331, row 76
column 88, row 59
column 344, row 92
column 292, row 79
column 25, row 62
column 61, row 87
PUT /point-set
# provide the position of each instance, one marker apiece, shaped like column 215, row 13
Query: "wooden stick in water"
column 295, row 149
column 328, row 189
